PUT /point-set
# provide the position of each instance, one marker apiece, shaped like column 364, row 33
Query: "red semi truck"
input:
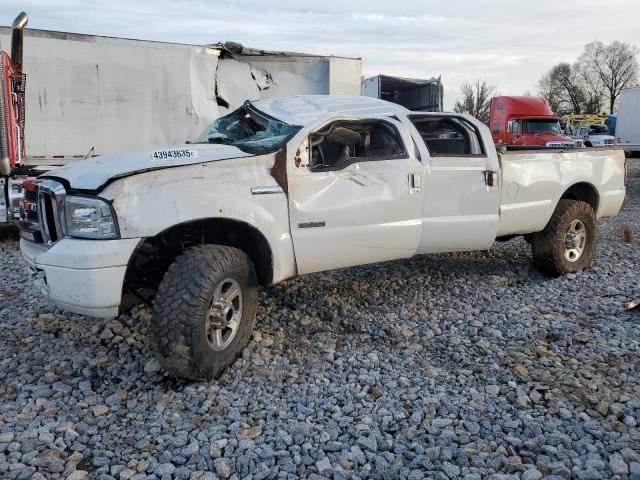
column 12, row 152
column 527, row 123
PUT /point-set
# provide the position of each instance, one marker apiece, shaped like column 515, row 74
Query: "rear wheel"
column 568, row 242
column 204, row 311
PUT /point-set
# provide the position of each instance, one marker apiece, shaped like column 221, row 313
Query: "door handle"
column 491, row 178
column 415, row 183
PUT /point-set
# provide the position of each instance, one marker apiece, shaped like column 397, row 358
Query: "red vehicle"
column 526, row 123
column 12, row 84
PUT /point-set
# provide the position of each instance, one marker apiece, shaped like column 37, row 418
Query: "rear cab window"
column 449, row 136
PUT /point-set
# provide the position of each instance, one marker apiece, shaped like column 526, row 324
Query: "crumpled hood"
column 94, row 173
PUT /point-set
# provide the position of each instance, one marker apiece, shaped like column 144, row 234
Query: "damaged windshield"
column 251, row 131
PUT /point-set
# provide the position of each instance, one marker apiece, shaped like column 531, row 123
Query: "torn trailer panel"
column 249, row 73
column 425, row 95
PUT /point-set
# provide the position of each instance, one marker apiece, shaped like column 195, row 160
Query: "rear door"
column 355, row 195
column 462, row 183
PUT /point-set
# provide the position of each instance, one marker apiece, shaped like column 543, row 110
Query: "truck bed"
column 534, row 180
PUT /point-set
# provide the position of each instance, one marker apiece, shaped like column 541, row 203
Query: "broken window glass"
column 345, row 142
column 251, row 131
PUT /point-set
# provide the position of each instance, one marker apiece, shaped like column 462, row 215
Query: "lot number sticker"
column 173, row 153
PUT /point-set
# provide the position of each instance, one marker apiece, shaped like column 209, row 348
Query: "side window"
column 513, row 126
column 496, row 127
column 448, row 136
column 345, row 142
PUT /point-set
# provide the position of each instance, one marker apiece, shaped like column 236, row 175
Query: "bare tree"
column 614, row 67
column 571, row 89
column 592, row 92
column 548, row 88
column 476, row 100
column 563, row 88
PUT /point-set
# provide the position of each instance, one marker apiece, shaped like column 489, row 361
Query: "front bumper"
column 82, row 276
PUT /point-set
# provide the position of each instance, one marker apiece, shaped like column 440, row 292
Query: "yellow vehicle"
column 577, row 119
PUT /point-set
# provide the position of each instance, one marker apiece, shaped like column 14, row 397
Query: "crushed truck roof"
column 307, row 109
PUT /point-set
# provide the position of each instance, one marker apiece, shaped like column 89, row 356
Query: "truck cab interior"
column 342, row 143
column 448, row 136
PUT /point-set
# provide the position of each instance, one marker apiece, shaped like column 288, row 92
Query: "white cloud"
column 506, row 43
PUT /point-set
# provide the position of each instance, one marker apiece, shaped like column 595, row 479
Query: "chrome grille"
column 561, row 145
column 42, row 209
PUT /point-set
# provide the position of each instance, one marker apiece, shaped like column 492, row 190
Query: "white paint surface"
column 367, row 210
column 94, row 173
column 307, row 110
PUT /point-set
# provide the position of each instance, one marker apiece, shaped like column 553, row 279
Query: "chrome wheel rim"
column 574, row 241
column 225, row 314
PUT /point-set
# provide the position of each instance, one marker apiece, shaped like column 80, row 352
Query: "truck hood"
column 93, row 174
column 544, row 138
column 601, row 138
column 553, row 137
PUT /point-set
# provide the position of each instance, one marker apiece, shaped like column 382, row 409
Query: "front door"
column 462, row 184
column 355, row 195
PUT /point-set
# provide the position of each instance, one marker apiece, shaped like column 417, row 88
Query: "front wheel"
column 204, row 311
column 568, row 242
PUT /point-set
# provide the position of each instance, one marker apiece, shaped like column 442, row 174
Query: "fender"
column 150, row 203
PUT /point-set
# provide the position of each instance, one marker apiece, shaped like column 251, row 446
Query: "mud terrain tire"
column 568, row 242
column 191, row 308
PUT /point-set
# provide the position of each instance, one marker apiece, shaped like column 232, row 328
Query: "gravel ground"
column 450, row 366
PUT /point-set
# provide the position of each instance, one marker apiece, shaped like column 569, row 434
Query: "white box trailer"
column 628, row 123
column 87, row 94
column 425, row 95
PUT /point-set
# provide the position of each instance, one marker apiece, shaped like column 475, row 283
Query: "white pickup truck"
column 290, row 186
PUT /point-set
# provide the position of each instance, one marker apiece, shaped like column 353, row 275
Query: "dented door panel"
column 364, row 213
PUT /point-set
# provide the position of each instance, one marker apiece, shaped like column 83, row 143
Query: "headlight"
column 89, row 217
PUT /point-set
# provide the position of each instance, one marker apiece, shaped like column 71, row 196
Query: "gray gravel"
column 452, row 366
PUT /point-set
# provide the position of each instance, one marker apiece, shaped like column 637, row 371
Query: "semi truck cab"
column 527, row 122
column 12, row 146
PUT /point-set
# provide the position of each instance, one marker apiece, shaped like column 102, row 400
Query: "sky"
column 510, row 44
